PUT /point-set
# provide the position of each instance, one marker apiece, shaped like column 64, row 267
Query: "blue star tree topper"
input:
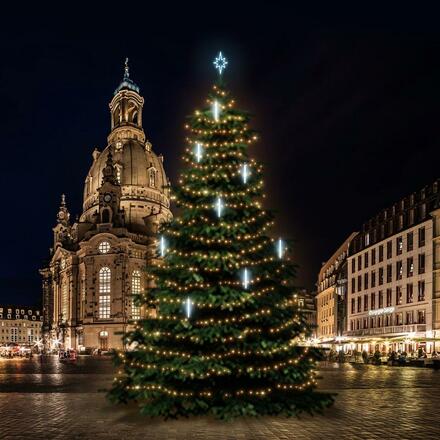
column 220, row 63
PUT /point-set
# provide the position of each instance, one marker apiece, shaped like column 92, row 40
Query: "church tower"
column 98, row 264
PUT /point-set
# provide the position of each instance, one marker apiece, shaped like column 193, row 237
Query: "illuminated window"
column 104, row 247
column 152, row 178
column 64, row 302
column 135, row 290
column 118, row 173
column 104, row 292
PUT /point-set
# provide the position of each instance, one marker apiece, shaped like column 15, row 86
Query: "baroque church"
column 98, row 263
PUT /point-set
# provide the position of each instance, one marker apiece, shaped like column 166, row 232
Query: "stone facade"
column 99, row 263
column 394, row 284
column 331, row 298
column 20, row 325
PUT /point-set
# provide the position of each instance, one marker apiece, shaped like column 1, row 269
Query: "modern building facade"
column 20, row 325
column 98, row 264
column 331, row 296
column 394, row 277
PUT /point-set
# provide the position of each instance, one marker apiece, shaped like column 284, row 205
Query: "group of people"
column 69, row 354
column 399, row 356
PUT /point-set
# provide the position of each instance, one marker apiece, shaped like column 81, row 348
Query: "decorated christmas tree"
column 228, row 335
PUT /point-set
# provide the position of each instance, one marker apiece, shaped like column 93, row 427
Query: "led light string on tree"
column 200, row 118
column 253, row 204
column 259, row 392
column 211, row 132
column 229, row 320
column 250, row 296
column 236, row 262
column 215, row 355
column 241, row 337
column 223, row 194
column 223, row 308
column 226, row 306
column 206, row 285
column 193, row 269
column 214, row 177
column 208, row 221
column 248, row 371
column 235, row 168
column 226, row 241
column 214, row 254
column 224, row 143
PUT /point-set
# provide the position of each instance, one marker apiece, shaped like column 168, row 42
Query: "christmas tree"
column 227, row 336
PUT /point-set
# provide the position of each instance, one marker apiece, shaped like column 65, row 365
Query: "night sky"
column 346, row 103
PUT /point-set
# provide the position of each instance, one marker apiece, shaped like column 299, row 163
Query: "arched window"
column 116, row 116
column 118, row 173
column 104, row 292
column 64, row 302
column 152, row 178
column 135, row 290
column 132, row 112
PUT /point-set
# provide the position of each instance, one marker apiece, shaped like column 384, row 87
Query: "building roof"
column 339, row 254
column 409, row 211
column 127, row 83
column 20, row 312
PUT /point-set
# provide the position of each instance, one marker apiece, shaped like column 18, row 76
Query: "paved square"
column 53, row 401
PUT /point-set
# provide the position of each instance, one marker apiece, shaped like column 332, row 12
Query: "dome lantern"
column 126, row 110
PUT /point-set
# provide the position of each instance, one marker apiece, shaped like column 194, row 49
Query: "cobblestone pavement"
column 50, row 401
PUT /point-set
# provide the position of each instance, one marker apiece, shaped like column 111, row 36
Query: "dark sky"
column 346, row 102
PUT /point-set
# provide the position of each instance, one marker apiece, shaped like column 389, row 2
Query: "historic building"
column 20, row 325
column 306, row 303
column 331, row 298
column 394, row 277
column 98, row 263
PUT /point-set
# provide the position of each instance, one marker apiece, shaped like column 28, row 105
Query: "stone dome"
column 145, row 193
column 141, row 174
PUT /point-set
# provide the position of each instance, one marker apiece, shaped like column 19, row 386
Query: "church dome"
column 139, row 171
